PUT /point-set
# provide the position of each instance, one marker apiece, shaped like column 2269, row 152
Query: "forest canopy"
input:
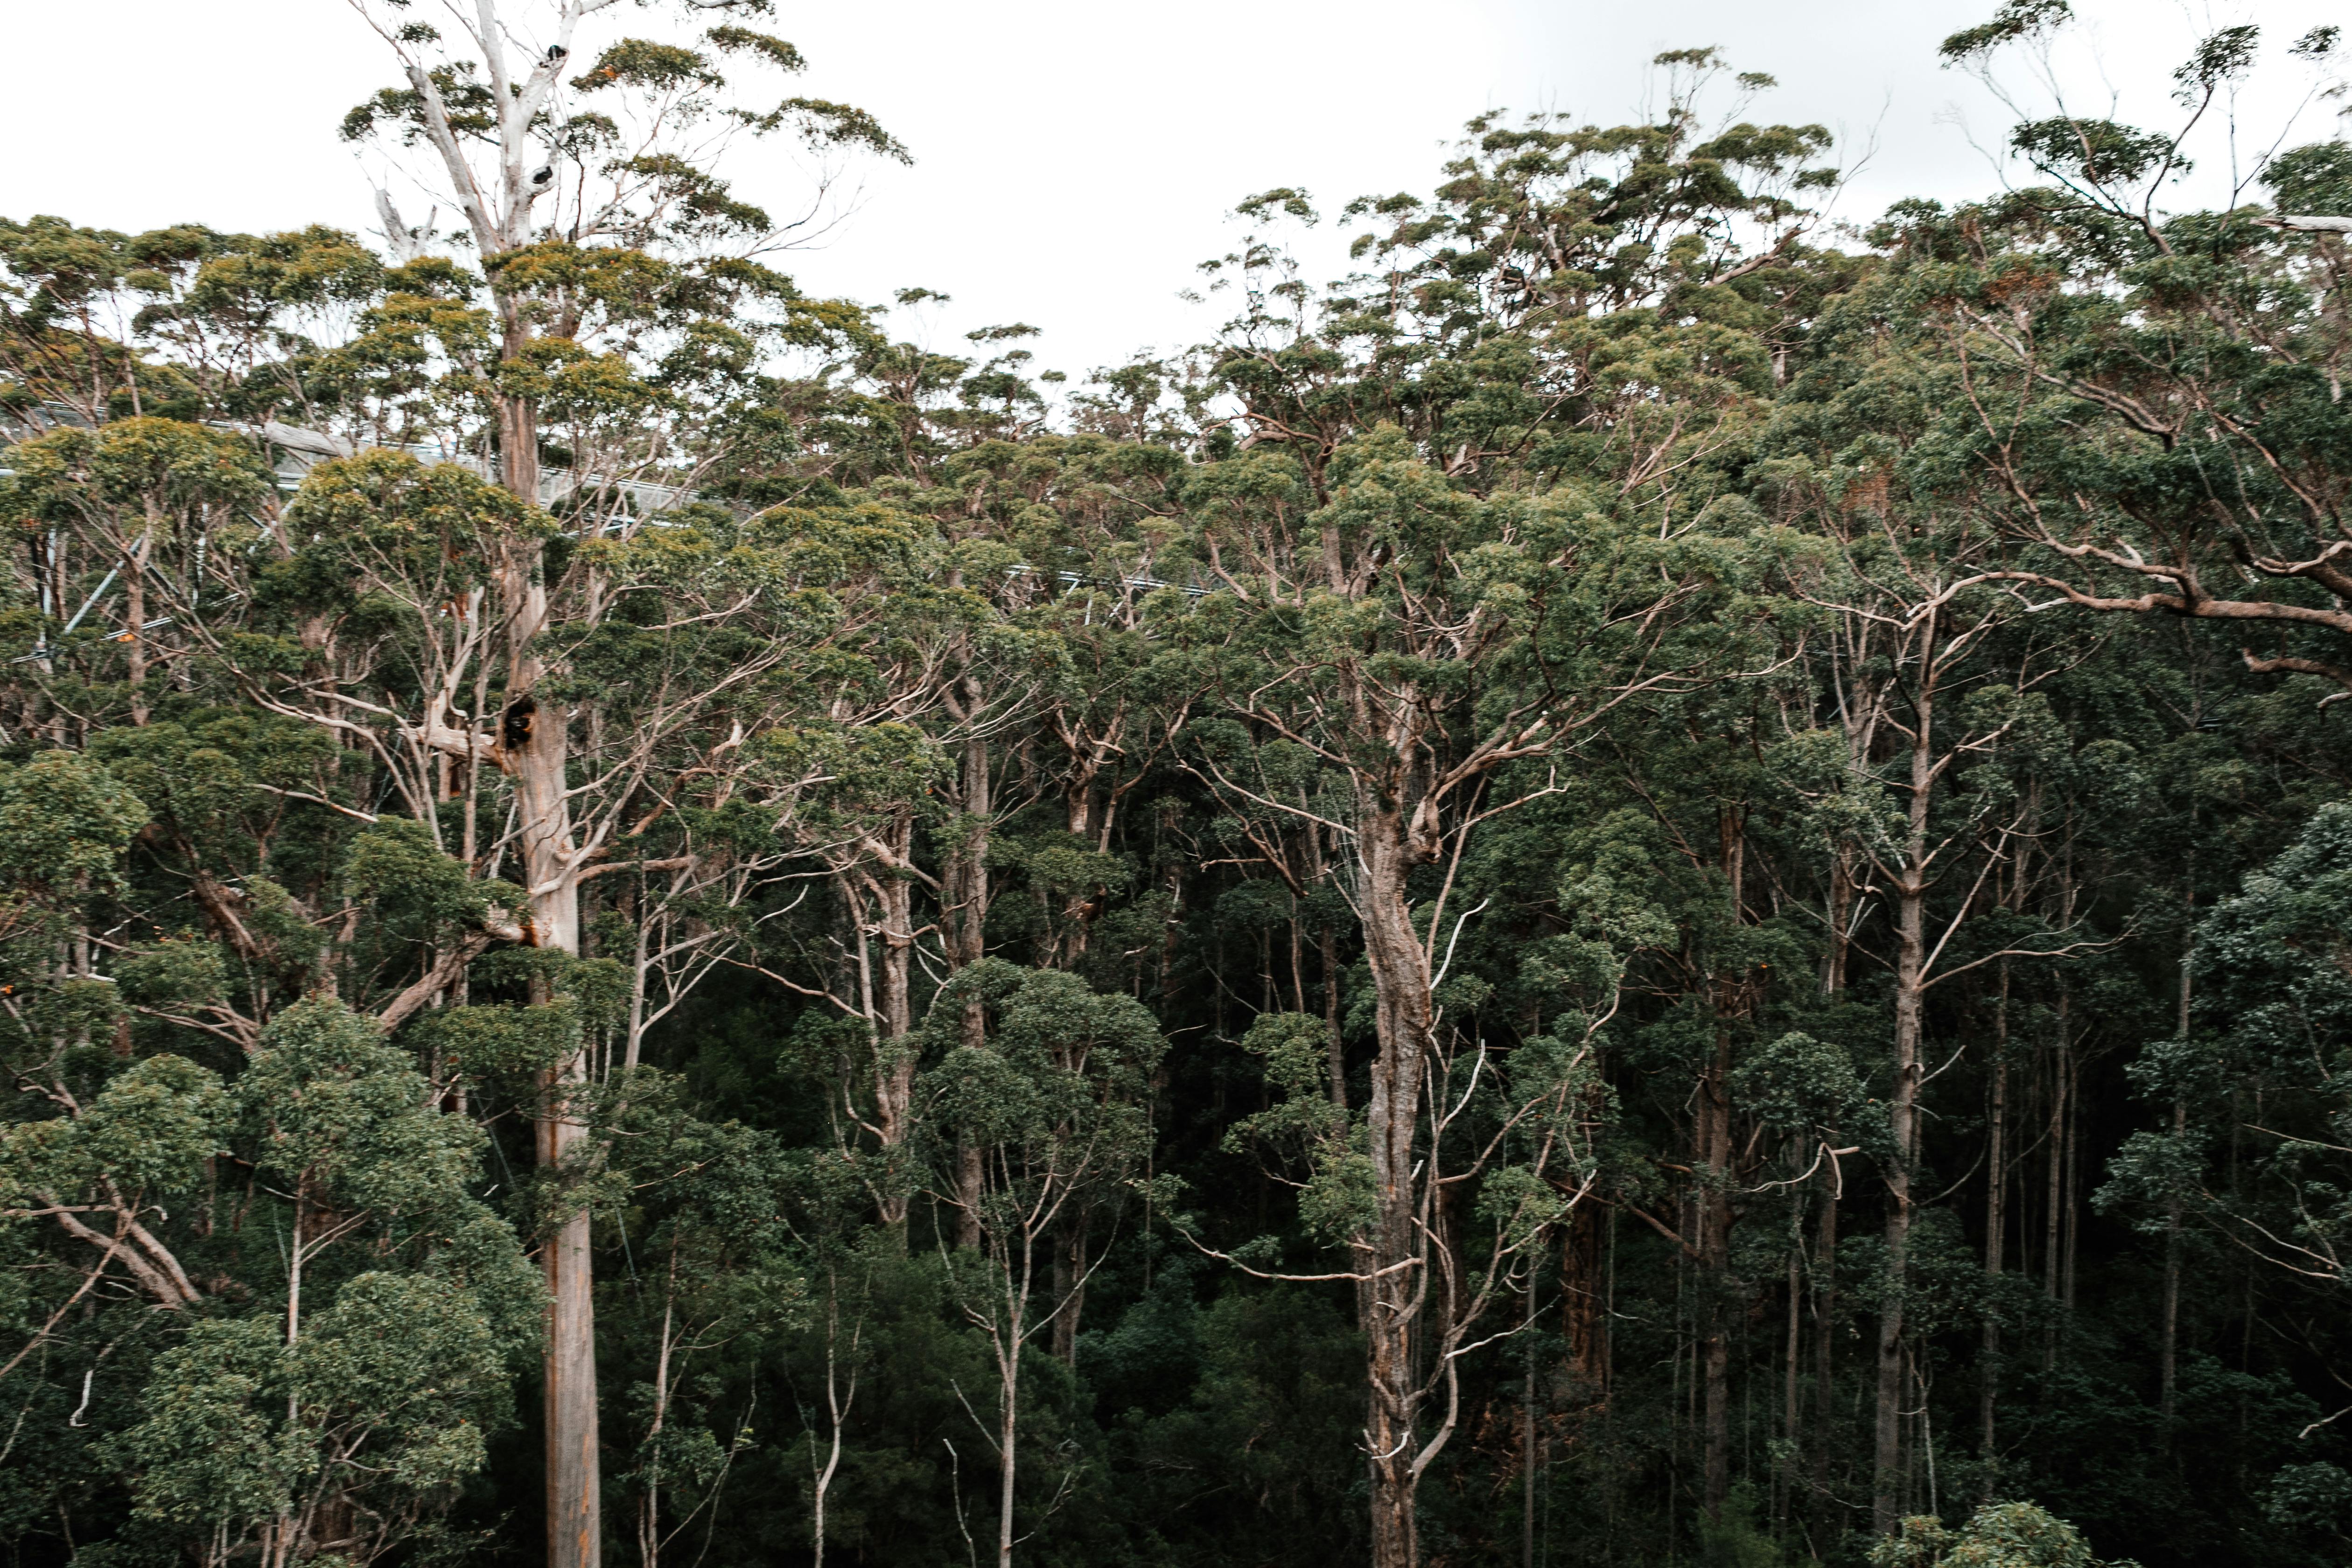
column 1659, row 881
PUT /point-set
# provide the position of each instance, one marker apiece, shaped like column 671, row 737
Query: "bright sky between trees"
column 1074, row 159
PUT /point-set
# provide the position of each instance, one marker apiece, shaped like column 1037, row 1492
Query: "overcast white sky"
column 1074, row 159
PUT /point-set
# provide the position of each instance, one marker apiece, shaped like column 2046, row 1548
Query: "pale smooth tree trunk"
column 1008, row 1404
column 1996, row 1234
column 837, row 1402
column 1902, row 1111
column 1824, row 1259
column 534, row 750
column 1006, row 1433
column 532, row 744
column 573, row 1475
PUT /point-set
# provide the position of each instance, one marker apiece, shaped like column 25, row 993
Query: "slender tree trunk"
column 2169, row 1360
column 1583, row 1300
column 1996, row 1232
column 1069, row 1286
column 1825, row 1270
column 2072, row 1232
column 1792, row 1409
column 134, row 631
column 966, row 921
column 641, row 964
column 1823, row 1265
column 1714, row 1214
column 894, row 1025
column 650, row 1509
column 1334, row 1050
column 838, row 1404
column 1911, row 949
column 1530, row 1467
column 2053, row 1194
column 1841, row 912
column 1007, row 1430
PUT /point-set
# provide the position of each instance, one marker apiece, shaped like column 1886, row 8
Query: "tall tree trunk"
column 1792, row 1408
column 1335, row 1050
column 518, row 416
column 573, row 1483
column 1824, row 1272
column 894, row 1024
column 1583, row 1304
column 1008, row 1426
column 1903, row 1098
column 1714, row 1215
column 1069, row 1286
column 838, row 1404
column 1996, row 1232
column 1530, row 1466
column 1841, row 912
column 1403, row 1018
column 965, row 924
column 533, row 751
column 134, row 631
column 2169, row 1360
column 1823, row 1266
column 2073, row 1228
column 1714, row 1151
column 2054, row 1196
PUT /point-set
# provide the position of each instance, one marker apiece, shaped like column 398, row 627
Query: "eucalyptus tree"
column 1520, row 318
column 1431, row 658
column 1930, row 673
column 361, row 616
column 717, row 1284
column 1049, row 1107
column 73, row 303
column 319, row 1396
column 1674, row 842
column 354, row 1410
column 2268, row 1032
column 888, row 777
column 2206, row 350
column 66, row 823
column 620, row 274
column 142, row 496
column 273, row 1281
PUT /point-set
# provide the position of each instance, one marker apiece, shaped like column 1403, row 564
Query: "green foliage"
column 1732, row 1538
column 1595, row 676
column 65, row 822
column 1998, row 1535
